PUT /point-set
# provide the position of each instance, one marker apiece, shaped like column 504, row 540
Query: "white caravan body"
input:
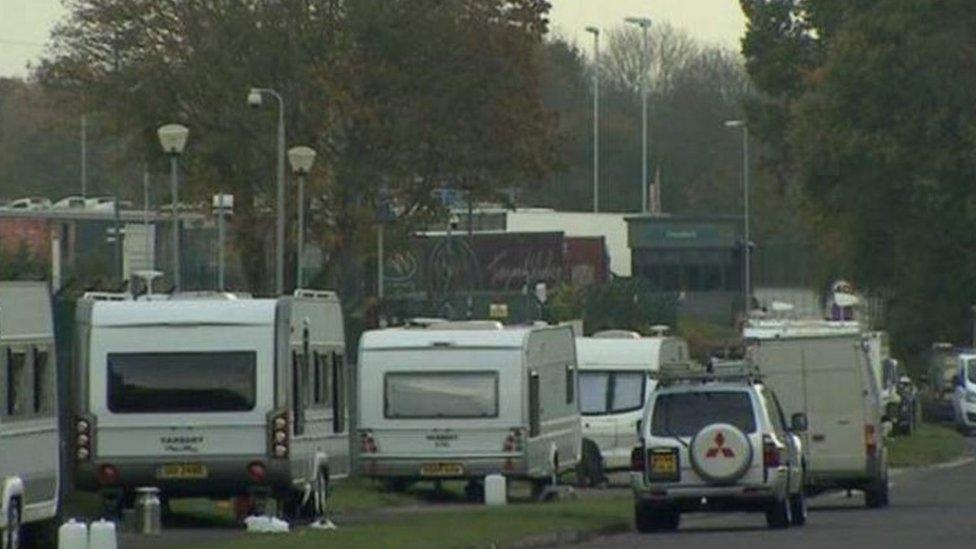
column 615, row 381
column 210, row 395
column 822, row 369
column 29, row 441
column 467, row 399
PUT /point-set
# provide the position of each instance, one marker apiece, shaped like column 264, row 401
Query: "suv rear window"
column 684, row 414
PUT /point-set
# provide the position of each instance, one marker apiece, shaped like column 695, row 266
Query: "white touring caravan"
column 29, row 441
column 211, row 395
column 461, row 400
column 615, row 369
column 821, row 368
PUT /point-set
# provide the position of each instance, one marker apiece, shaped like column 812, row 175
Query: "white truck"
column 615, row 376
column 821, row 369
column 462, row 400
column 30, row 454
column 211, row 395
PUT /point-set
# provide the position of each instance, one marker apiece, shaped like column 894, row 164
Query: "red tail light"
column 278, row 439
column 771, row 457
column 870, row 440
column 108, row 474
column 256, row 471
column 513, row 442
column 367, row 444
column 638, row 458
column 83, row 439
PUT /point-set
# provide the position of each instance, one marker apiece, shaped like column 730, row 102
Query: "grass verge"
column 929, row 444
column 476, row 527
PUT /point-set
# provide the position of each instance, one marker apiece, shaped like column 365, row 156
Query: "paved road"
column 931, row 508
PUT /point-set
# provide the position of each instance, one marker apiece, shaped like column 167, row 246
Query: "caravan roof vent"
column 106, row 296
column 617, row 334
column 315, row 294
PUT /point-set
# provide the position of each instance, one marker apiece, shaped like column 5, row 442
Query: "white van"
column 211, row 395
column 615, row 370
column 821, row 369
column 461, row 400
column 964, row 394
column 30, row 455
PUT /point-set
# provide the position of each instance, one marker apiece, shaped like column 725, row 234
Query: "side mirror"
column 799, row 423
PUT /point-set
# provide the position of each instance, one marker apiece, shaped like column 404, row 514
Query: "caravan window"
column 604, row 393
column 628, row 391
column 441, row 395
column 43, row 383
column 17, row 396
column 594, row 387
column 181, row 382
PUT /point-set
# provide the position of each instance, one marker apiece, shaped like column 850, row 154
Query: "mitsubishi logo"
column 720, row 447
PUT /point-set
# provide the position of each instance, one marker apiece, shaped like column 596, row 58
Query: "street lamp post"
column 172, row 137
column 596, row 117
column 223, row 204
column 644, row 23
column 741, row 124
column 301, row 160
column 254, row 99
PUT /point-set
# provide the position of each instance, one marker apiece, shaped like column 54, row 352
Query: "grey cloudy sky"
column 25, row 24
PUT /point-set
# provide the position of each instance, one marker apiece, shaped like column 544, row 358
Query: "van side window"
column 43, row 393
column 338, row 389
column 16, row 383
column 534, row 405
column 570, row 383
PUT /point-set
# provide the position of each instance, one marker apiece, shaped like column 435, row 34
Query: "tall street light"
column 172, row 137
column 644, row 23
column 596, row 117
column 741, row 124
column 301, row 160
column 254, row 99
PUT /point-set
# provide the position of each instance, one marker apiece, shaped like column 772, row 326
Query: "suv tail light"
column 278, row 440
column 771, row 457
column 513, row 442
column 367, row 444
column 84, row 432
column 870, row 440
column 638, row 459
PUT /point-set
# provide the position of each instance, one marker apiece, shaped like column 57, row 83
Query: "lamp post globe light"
column 172, row 138
column 596, row 116
column 301, row 159
column 644, row 23
column 255, row 99
column 747, row 253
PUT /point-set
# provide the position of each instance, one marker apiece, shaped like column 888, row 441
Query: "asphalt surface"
column 933, row 508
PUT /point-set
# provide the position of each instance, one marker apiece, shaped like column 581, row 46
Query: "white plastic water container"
column 73, row 535
column 101, row 535
column 496, row 490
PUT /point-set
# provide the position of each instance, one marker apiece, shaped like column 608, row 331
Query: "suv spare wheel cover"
column 720, row 453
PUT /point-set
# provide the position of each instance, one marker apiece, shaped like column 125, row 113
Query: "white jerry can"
column 73, row 535
column 495, row 490
column 101, row 535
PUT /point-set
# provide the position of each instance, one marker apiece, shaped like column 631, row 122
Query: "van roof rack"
column 315, row 294
column 422, row 322
column 489, row 325
column 719, row 370
column 106, row 296
column 617, row 334
column 209, row 294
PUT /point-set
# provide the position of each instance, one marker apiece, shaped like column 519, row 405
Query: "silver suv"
column 716, row 440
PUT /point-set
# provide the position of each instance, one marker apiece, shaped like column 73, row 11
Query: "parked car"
column 820, row 369
column 211, row 395
column 30, row 453
column 964, row 393
column 615, row 377
column 717, row 441
column 30, row 204
column 462, row 400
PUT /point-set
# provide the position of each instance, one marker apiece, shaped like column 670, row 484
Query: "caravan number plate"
column 441, row 469
column 182, row 470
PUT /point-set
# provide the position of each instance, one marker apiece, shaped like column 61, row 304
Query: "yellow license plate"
column 664, row 464
column 441, row 469
column 182, row 471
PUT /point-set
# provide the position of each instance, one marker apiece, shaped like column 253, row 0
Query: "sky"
column 26, row 24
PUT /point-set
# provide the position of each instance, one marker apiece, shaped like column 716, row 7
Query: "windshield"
column 971, row 370
column 181, row 382
column 684, row 414
column 441, row 395
column 604, row 393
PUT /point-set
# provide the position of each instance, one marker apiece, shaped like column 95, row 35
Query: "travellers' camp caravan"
column 29, row 442
column 461, row 400
column 615, row 370
column 211, row 395
column 821, row 368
